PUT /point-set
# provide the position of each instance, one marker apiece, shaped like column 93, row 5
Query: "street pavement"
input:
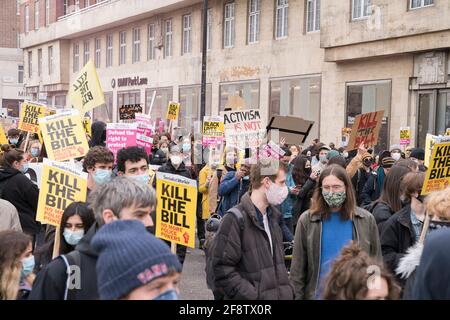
column 193, row 278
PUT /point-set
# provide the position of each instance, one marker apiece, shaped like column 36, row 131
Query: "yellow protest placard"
column 87, row 126
column 151, row 176
column 213, row 131
column 173, row 110
column 29, row 117
column 60, row 186
column 64, row 136
column 438, row 173
column 405, row 136
column 447, row 132
column 3, row 139
column 85, row 92
column 176, row 209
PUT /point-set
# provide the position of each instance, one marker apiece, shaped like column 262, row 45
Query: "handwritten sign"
column 365, row 130
column 243, row 128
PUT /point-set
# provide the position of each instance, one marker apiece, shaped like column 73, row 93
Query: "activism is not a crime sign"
column 438, row 173
column 243, row 128
column 29, row 117
column 64, row 136
column 176, row 209
column 61, row 185
column 365, row 130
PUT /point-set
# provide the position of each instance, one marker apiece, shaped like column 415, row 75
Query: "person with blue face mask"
column 16, row 265
column 126, row 271
column 98, row 163
column 132, row 162
column 14, row 137
column 34, row 151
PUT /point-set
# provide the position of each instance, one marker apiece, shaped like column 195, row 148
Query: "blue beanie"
column 129, row 257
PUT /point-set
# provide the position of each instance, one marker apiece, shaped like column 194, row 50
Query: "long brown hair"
column 391, row 190
column 318, row 203
column 298, row 171
column 10, row 155
column 349, row 276
column 12, row 245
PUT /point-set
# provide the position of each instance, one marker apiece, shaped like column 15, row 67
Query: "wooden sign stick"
column 57, row 243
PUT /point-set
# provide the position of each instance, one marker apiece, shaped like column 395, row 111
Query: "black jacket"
column 382, row 212
column 23, row 194
column 158, row 158
column 397, row 236
column 98, row 138
column 303, row 200
column 50, row 283
column 371, row 191
column 359, row 181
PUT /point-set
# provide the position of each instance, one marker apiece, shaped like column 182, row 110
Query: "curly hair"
column 438, row 204
column 97, row 154
column 133, row 154
column 349, row 276
column 12, row 245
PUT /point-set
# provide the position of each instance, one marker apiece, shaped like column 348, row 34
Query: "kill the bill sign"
column 438, row 173
column 29, row 117
column 60, row 186
column 176, row 209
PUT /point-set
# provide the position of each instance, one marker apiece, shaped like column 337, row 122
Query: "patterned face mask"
column 334, row 199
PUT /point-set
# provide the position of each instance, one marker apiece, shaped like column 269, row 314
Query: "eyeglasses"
column 335, row 188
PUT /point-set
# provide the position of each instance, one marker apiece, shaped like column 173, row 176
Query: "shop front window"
column 248, row 90
column 105, row 111
column 162, row 98
column 298, row 97
column 370, row 97
column 190, row 97
column 127, row 98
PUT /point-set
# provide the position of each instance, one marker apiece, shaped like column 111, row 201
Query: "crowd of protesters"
column 356, row 222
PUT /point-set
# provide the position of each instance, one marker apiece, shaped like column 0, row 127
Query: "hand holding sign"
column 365, row 130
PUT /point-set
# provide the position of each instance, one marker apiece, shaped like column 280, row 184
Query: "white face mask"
column 276, row 194
column 176, row 160
column 396, row 156
column 230, row 159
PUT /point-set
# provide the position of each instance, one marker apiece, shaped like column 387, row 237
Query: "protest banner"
column 128, row 111
column 213, row 131
column 64, row 135
column 120, row 135
column 438, row 173
column 365, row 129
column 29, row 117
column 3, row 139
column 405, row 136
column 85, row 92
column 87, row 123
column 173, row 110
column 272, row 150
column 61, row 185
column 430, row 141
column 176, row 209
column 243, row 128
column 144, row 131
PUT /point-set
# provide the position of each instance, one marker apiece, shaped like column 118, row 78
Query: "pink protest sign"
column 144, row 132
column 120, row 135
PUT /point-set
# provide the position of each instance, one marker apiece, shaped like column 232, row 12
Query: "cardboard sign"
column 29, row 117
column 3, row 139
column 60, row 186
column 243, row 128
column 176, row 209
column 120, row 135
column 64, row 135
column 87, row 123
column 213, row 131
column 365, row 130
column 85, row 92
column 293, row 129
column 438, row 173
column 127, row 112
column 405, row 136
column 173, row 110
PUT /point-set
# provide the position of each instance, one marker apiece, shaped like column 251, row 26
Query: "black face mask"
column 367, row 163
column 436, row 225
column 308, row 171
column 420, row 198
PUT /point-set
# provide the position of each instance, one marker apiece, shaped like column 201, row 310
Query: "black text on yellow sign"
column 82, row 85
column 174, row 201
column 438, row 174
column 62, row 134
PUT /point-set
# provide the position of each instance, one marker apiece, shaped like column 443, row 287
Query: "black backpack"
column 210, row 247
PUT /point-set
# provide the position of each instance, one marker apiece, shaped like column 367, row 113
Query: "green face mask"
column 334, row 199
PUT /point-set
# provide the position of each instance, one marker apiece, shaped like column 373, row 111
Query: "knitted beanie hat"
column 129, row 257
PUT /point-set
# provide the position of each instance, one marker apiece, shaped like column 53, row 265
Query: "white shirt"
column 267, row 229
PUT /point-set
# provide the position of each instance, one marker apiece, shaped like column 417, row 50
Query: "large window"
column 76, row 57
column 104, row 112
column 151, row 42
column 87, row 53
column 415, row 4
column 27, row 18
column 209, row 29
column 433, row 114
column 361, row 9
column 30, row 64
column 162, row 98
column 123, row 48
column 299, row 97
column 47, row 12
column 254, row 11
column 190, row 97
column 50, row 60
column 65, row 7
column 187, row 28
column 109, row 50
column 136, row 45
column 36, row 15
column 98, row 52
column 228, row 27
column 281, row 19
column 168, row 38
column 313, row 15
column 363, row 97
column 39, row 62
column 248, row 90
column 20, row 74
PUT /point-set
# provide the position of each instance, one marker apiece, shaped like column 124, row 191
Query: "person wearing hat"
column 372, row 188
column 396, row 152
column 418, row 156
column 134, row 265
column 322, row 158
column 14, row 137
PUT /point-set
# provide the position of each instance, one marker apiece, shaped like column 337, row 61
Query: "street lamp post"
column 204, row 53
